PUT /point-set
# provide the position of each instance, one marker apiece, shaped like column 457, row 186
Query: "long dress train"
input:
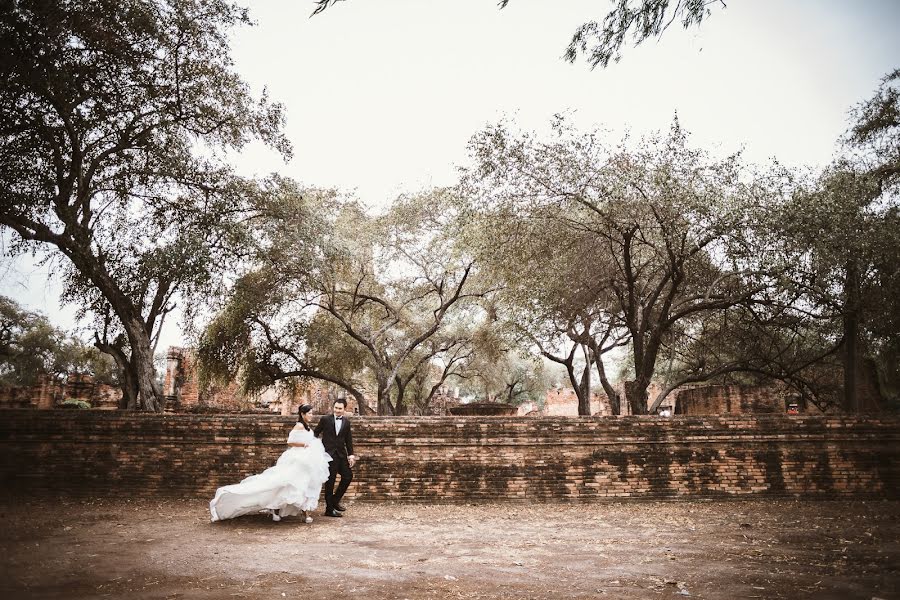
column 292, row 485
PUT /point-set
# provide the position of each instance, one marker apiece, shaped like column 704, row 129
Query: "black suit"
column 339, row 446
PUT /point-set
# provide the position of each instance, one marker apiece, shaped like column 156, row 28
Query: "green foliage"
column 255, row 333
column 75, row 403
column 116, row 120
column 601, row 43
column 874, row 137
column 641, row 20
column 30, row 346
column 870, row 174
column 599, row 245
column 331, row 349
column 504, row 375
column 836, row 235
column 360, row 301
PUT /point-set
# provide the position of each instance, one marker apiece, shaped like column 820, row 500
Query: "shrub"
column 75, row 403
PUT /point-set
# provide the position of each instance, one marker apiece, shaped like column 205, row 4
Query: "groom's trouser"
column 338, row 466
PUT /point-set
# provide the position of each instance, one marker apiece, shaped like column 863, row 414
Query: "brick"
column 456, row 459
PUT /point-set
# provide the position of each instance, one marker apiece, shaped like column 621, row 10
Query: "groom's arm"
column 320, row 426
column 349, row 439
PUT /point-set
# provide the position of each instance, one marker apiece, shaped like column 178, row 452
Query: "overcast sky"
column 382, row 97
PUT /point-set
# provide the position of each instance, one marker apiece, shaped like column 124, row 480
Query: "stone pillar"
column 44, row 397
column 173, row 362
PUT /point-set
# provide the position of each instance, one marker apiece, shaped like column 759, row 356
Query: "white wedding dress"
column 291, row 486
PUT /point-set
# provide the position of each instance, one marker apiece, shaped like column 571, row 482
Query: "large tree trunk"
column 139, row 389
column 615, row 402
column 399, row 406
column 130, row 391
column 127, row 373
column 581, row 385
column 364, row 408
column 851, row 337
column 636, row 395
column 645, row 355
column 384, row 406
column 149, row 397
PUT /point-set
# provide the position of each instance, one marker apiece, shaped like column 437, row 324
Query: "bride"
column 289, row 488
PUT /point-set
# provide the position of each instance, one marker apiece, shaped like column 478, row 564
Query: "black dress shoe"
column 333, row 513
column 340, row 507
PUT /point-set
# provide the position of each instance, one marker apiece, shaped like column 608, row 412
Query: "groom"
column 338, row 441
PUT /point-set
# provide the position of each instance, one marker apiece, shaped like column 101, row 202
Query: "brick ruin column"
column 79, row 386
column 45, row 392
column 174, row 378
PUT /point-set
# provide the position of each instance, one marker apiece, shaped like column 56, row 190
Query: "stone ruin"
column 184, row 394
column 49, row 392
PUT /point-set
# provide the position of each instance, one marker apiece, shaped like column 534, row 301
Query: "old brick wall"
column 45, row 393
column 183, row 392
column 99, row 395
column 13, row 396
column 731, row 399
column 452, row 459
column 563, row 402
column 48, row 393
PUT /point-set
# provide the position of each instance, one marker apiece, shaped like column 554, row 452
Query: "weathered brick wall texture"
column 47, row 393
column 731, row 399
column 454, row 459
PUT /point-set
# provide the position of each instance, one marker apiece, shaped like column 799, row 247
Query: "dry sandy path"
column 168, row 549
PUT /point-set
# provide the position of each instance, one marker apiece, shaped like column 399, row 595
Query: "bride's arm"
column 296, row 444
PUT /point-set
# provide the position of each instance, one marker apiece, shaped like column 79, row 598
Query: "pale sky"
column 382, row 97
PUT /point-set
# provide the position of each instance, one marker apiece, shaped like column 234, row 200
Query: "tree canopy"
column 363, row 302
column 600, row 42
column 627, row 244
column 575, row 249
column 31, row 347
column 116, row 118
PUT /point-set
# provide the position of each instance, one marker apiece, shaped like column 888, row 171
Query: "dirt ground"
column 168, row 549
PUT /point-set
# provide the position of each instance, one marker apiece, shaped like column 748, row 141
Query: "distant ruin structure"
column 49, row 393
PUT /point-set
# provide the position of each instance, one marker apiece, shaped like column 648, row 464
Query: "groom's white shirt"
column 337, row 425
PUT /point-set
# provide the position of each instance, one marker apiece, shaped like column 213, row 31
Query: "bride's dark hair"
column 304, row 408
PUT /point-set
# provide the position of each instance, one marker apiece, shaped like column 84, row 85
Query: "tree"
column 500, row 370
column 431, row 365
column 756, row 343
column 601, row 43
column 669, row 225
column 115, row 119
column 873, row 143
column 834, row 221
column 548, row 299
column 645, row 19
column 874, row 137
column 833, row 301
column 264, row 331
column 384, row 293
column 840, row 231
column 30, row 347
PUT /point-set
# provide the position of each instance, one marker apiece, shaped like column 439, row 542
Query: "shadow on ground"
column 168, row 549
